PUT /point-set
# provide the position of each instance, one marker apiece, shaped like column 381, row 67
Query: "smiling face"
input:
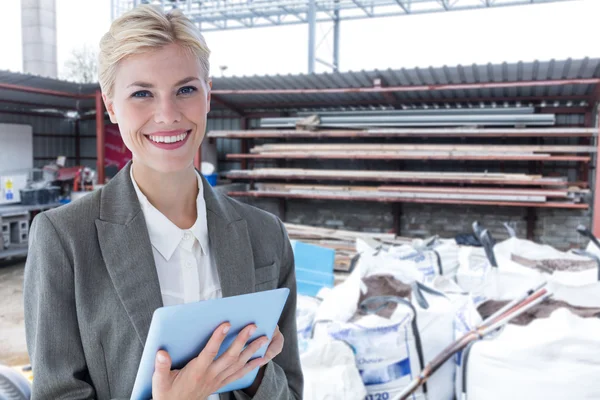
column 160, row 101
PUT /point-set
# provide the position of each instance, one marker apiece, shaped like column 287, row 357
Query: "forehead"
column 162, row 66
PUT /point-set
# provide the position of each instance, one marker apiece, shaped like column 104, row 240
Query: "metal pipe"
column 337, row 119
column 424, row 112
column 407, row 88
column 416, row 120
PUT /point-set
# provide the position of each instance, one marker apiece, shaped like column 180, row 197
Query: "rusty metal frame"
column 56, row 93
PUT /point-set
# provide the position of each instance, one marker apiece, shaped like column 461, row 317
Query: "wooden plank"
column 441, row 190
column 516, row 192
column 396, row 176
column 412, row 156
column 414, row 132
column 381, row 199
column 375, row 192
column 285, row 148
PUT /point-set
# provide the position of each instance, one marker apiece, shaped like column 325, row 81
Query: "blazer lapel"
column 229, row 244
column 127, row 252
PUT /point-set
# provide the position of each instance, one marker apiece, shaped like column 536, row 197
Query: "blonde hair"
column 143, row 29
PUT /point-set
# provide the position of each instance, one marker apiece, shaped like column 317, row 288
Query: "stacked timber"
column 443, row 187
column 418, row 152
column 475, row 178
column 342, row 241
column 566, row 197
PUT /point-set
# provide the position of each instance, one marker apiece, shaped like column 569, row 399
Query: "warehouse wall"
column 46, row 145
column 87, row 132
column 554, row 227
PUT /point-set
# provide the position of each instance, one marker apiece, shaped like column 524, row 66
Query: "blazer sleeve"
column 283, row 379
column 52, row 331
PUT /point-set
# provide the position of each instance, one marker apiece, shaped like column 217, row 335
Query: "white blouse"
column 186, row 271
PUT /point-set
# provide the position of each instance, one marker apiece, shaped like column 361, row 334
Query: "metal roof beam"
column 404, row 7
column 218, row 12
column 399, row 103
column 417, row 88
column 362, row 7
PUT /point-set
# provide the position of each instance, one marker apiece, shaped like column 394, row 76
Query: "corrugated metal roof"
column 14, row 100
column 505, row 72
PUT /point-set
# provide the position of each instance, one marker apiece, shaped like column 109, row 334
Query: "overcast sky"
column 557, row 30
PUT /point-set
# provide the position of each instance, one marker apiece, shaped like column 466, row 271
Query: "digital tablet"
column 184, row 330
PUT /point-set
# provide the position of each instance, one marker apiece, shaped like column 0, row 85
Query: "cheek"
column 132, row 118
column 195, row 112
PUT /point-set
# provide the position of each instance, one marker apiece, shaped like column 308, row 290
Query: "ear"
column 110, row 107
column 208, row 92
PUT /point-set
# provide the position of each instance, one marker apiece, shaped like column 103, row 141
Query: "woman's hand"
column 275, row 347
column 204, row 375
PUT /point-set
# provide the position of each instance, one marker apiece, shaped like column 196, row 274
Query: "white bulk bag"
column 508, row 252
column 330, row 372
column 552, row 358
column 390, row 352
column 306, row 308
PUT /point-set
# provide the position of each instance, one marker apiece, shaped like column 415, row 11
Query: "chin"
column 168, row 166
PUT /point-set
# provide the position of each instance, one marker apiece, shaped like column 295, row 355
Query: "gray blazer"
column 91, row 287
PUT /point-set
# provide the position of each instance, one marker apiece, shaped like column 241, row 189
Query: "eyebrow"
column 179, row 83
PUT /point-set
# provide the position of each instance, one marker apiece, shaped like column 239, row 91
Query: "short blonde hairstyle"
column 143, row 29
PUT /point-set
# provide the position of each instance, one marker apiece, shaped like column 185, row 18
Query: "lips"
column 169, row 140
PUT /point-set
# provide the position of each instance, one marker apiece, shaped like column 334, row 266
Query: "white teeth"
column 168, row 139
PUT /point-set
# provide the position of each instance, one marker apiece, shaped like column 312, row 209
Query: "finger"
column 210, row 351
column 253, row 348
column 243, row 358
column 161, row 379
column 250, row 366
column 232, row 354
column 275, row 347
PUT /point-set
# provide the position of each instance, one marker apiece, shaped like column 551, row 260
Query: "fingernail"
column 160, row 357
column 252, row 330
column 226, row 329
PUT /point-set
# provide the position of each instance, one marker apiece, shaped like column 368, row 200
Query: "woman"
column 156, row 235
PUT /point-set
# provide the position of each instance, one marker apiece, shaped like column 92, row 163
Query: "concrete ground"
column 13, row 350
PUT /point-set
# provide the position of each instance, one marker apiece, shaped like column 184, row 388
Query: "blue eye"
column 187, row 90
column 141, row 93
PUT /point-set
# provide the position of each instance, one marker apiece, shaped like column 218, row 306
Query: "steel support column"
column 312, row 33
column 336, row 37
column 596, row 205
column 99, row 137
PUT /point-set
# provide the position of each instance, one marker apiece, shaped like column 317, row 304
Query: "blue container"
column 212, row 179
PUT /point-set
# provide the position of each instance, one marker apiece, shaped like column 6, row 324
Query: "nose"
column 167, row 111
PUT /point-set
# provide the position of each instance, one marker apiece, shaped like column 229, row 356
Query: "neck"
column 173, row 194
